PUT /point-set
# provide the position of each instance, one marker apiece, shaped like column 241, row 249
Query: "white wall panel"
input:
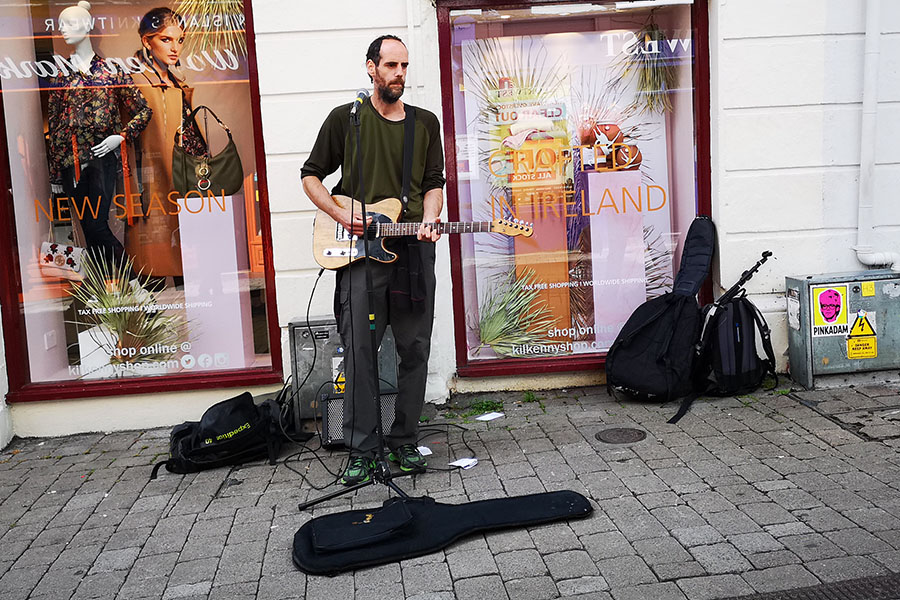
column 770, row 18
column 305, row 15
column 765, row 201
column 293, row 292
column 293, row 226
column 809, row 136
column 315, row 62
column 792, row 71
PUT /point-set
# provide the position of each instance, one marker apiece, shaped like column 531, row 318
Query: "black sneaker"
column 358, row 470
column 408, row 457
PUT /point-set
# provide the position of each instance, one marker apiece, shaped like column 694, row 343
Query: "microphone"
column 361, row 96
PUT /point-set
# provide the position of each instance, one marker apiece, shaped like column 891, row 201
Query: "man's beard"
column 387, row 95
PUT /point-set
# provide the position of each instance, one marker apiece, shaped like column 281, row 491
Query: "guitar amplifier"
column 317, row 351
column 333, row 417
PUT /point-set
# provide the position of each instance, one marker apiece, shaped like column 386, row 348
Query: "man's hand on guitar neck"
column 426, row 232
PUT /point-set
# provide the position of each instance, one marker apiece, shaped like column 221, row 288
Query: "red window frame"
column 22, row 390
column 464, row 367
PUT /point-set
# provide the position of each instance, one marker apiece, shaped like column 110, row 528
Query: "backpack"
column 728, row 347
column 230, row 432
column 654, row 356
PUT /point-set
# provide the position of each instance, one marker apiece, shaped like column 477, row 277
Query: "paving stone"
column 519, row 564
column 532, row 588
column 697, row 536
column 189, row 590
column 778, row 558
column 708, row 501
column 873, row 519
column 780, row 578
column 571, row 564
column 844, row 567
column 783, row 529
column 857, row 541
column 115, row 560
column 480, row 588
column 472, row 563
column 625, row 571
column 767, row 513
column 824, row 519
column 607, row 545
column 813, row 546
column 158, row 565
column 426, row 578
column 714, row 587
column 58, row 583
column 755, row 543
column 506, row 541
column 151, row 587
column 583, row 586
column 678, row 517
column 658, row 551
column 732, row 522
column 340, row 587
column 652, row 591
column 100, row 585
column 674, row 571
column 720, row 558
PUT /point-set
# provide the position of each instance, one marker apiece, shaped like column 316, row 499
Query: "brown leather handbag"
column 221, row 174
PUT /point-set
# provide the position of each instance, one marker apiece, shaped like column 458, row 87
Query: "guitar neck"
column 399, row 229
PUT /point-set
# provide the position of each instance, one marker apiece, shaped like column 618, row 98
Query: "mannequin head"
column 75, row 23
column 162, row 36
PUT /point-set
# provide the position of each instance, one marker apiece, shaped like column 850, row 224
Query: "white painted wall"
column 310, row 62
column 786, row 96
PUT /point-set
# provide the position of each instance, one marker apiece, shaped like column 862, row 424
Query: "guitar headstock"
column 512, row 227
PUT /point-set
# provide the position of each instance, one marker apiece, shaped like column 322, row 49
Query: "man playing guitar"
column 403, row 289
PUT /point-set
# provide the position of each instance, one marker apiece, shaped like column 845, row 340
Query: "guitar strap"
column 409, row 139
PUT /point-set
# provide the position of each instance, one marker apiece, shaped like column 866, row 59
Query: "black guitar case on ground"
column 654, row 357
column 408, row 527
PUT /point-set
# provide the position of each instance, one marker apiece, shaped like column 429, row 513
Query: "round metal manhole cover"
column 620, row 435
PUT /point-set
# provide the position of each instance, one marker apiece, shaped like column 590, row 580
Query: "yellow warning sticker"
column 868, row 288
column 864, row 325
column 862, row 347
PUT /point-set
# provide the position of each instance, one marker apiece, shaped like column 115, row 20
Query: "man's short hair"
column 374, row 51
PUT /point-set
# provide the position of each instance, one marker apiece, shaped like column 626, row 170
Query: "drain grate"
column 886, row 587
column 620, row 435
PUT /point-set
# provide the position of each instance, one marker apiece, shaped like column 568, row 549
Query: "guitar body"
column 332, row 246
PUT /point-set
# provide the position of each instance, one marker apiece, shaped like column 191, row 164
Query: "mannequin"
column 86, row 133
column 153, row 240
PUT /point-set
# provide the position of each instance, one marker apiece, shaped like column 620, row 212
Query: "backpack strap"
column 409, row 139
column 766, row 340
column 685, row 406
column 156, row 468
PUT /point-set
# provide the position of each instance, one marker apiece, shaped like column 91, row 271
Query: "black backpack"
column 728, row 343
column 654, row 356
column 230, row 432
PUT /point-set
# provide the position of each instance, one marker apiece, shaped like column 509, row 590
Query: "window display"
column 578, row 119
column 133, row 168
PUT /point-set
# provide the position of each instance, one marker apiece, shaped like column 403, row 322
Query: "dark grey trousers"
column 412, row 334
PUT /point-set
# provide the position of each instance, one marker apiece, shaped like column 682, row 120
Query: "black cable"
column 434, row 431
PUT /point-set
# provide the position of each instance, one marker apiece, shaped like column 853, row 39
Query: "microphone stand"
column 382, row 473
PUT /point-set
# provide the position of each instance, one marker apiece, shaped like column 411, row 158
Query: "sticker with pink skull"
column 829, row 308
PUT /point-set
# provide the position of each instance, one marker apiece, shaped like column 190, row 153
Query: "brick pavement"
column 744, row 495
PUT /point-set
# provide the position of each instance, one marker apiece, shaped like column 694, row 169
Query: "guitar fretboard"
column 398, row 229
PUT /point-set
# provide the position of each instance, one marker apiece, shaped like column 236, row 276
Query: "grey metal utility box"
column 843, row 323
column 316, row 349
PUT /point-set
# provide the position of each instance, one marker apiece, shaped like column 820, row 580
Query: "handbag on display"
column 219, row 174
column 61, row 260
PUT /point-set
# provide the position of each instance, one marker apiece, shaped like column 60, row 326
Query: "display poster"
column 588, row 137
column 133, row 169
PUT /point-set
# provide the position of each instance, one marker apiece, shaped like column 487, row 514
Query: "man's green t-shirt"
column 382, row 156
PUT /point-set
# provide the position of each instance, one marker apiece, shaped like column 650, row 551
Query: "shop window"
column 133, row 158
column 574, row 132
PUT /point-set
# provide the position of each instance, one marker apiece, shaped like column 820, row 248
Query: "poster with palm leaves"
column 563, row 138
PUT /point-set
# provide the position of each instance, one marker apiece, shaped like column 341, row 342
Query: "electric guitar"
column 334, row 247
